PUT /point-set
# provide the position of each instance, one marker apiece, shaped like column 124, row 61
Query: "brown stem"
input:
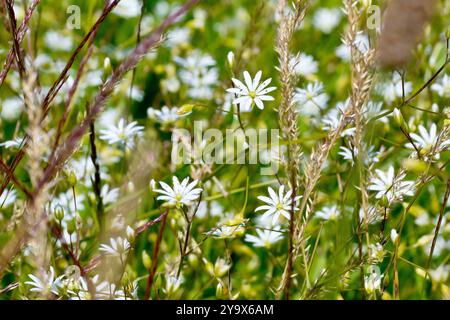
column 154, row 265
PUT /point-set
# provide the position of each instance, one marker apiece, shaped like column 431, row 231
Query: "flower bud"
column 146, row 260
column 230, row 58
column 59, row 213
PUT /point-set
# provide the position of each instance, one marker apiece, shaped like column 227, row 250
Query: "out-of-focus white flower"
column 118, row 246
column 361, row 42
column 219, row 269
column 442, row 87
column 11, row 108
column 181, row 194
column 311, row 100
column 392, row 186
column 394, row 235
column 278, row 204
column 177, row 37
column 45, row 283
column 395, row 89
column 16, row 143
column 326, row 19
column 7, row 198
column 173, row 284
column 122, row 133
column 440, row 274
column 109, row 196
column 304, row 65
column 376, row 252
column 128, row 8
column 199, row 74
column 265, row 238
column 252, row 92
column 164, row 116
column 57, row 41
column 329, row 213
column 372, row 282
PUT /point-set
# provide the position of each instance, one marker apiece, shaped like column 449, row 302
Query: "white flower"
column 376, row 252
column 181, row 194
column 122, row 133
column 219, row 269
column 199, row 74
column 45, row 283
column 173, row 284
column 118, row 247
column 372, row 282
column 442, row 87
column 252, row 92
column 7, row 198
column 109, row 195
column 278, row 204
column 394, row 235
column 164, row 116
column 228, row 231
column 304, row 65
column 326, row 19
column 361, row 42
column 440, row 274
column 395, row 89
column 57, row 41
column 312, row 99
column 391, row 186
column 265, row 238
column 16, row 143
column 11, row 108
column 329, row 213
column 177, row 37
column 128, row 8
column 427, row 141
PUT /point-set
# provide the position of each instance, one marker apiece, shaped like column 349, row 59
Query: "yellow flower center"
column 252, row 94
column 279, row 206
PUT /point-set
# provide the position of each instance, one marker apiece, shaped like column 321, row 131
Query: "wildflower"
column 181, row 194
column 128, row 9
column 109, row 195
column 57, row 41
column 228, row 231
column 440, row 274
column 442, row 87
column 122, row 133
column 394, row 235
column 118, row 247
column 278, row 204
column 326, row 19
column 304, row 65
column 372, row 213
column 7, row 198
column 311, row 100
column 391, row 186
column 376, row 252
column 265, row 238
column 396, row 89
column 45, row 283
column 329, row 213
column 372, row 282
column 11, row 109
column 164, row 116
column 16, row 143
column 173, row 284
column 199, row 74
column 428, row 142
column 361, row 43
column 219, row 269
column 252, row 92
